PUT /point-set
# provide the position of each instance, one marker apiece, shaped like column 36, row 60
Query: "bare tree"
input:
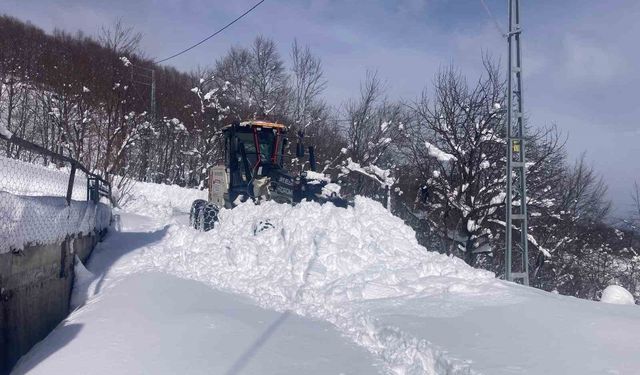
column 635, row 214
column 234, row 68
column 268, row 80
column 308, row 84
column 457, row 154
column 585, row 192
column 374, row 130
column 120, row 39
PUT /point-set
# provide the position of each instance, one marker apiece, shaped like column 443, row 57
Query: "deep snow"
column 362, row 270
column 158, row 324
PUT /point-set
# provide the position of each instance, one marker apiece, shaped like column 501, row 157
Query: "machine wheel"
column 207, row 217
column 194, row 214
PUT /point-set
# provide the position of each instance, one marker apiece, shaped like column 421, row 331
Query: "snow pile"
column 618, row 295
column 160, row 201
column 324, row 262
column 45, row 220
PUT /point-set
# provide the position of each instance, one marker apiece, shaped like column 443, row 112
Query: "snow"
column 439, row 154
column 52, row 181
column 618, row 295
column 46, row 220
column 208, row 95
column 360, row 269
column 5, row 132
column 83, row 282
column 331, row 189
column 158, row 324
column 160, row 201
column 316, row 176
column 382, row 176
column 37, row 213
column 125, row 61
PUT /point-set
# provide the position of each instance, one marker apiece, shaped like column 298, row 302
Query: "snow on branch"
column 382, row 176
column 5, row 132
column 530, row 237
column 438, row 153
column 125, row 61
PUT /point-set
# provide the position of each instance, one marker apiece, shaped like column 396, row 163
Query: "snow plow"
column 253, row 168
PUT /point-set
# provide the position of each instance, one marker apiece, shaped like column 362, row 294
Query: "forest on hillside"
column 438, row 160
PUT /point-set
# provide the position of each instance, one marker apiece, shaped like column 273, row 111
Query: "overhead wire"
column 212, row 35
column 495, row 21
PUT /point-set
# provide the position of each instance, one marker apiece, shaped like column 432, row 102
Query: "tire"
column 207, row 217
column 194, row 214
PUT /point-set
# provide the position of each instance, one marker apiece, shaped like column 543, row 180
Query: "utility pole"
column 153, row 96
column 516, row 268
column 146, row 145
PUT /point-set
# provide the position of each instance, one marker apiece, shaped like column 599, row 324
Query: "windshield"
column 266, row 143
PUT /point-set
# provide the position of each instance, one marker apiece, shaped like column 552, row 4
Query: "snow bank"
column 160, row 201
column 617, row 295
column 324, row 262
column 46, row 220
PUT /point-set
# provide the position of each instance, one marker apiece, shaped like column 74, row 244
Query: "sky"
column 580, row 57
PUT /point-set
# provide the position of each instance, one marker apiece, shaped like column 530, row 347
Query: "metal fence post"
column 72, row 178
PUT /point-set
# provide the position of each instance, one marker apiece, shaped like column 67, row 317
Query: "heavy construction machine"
column 253, row 168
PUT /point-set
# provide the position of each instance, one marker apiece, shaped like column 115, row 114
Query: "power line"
column 495, row 21
column 212, row 35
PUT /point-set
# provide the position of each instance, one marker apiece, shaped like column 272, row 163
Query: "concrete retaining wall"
column 35, row 290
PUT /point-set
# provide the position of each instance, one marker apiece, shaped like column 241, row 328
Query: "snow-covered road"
column 359, row 269
column 153, row 323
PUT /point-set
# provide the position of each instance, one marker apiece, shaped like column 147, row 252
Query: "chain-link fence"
column 46, row 197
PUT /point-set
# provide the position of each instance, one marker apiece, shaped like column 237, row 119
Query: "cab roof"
column 258, row 123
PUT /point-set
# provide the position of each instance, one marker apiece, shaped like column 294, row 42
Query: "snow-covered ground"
column 360, row 269
column 159, row 324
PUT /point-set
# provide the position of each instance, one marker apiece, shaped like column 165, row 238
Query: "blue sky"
column 581, row 57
